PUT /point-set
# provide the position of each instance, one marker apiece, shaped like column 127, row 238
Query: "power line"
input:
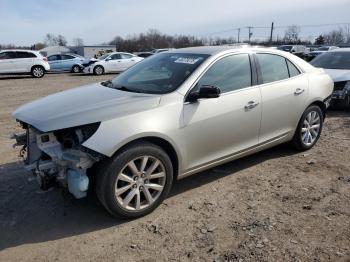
column 275, row 27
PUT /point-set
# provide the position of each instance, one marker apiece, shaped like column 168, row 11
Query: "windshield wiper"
column 124, row 88
column 107, row 83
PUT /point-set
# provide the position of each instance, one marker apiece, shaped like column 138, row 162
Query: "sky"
column 25, row 22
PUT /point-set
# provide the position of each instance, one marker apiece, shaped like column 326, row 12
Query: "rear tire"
column 38, row 71
column 135, row 181
column 309, row 128
column 98, row 70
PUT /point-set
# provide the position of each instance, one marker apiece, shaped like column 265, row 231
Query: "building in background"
column 89, row 51
column 93, row 51
column 52, row 50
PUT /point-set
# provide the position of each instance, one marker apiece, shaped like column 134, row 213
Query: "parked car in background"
column 155, row 51
column 298, row 50
column 320, row 51
column 337, row 64
column 67, row 62
column 23, row 62
column 172, row 115
column 112, row 62
column 144, row 54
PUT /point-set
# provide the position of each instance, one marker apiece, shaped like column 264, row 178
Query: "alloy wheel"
column 311, row 128
column 140, row 183
column 38, row 72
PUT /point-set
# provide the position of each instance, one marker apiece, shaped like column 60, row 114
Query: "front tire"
column 309, row 128
column 98, row 70
column 76, row 69
column 38, row 71
column 135, row 181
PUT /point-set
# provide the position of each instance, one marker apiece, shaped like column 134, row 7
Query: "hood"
column 338, row 74
column 83, row 105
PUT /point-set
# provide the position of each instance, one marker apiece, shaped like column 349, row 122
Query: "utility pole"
column 250, row 34
column 271, row 33
column 238, row 32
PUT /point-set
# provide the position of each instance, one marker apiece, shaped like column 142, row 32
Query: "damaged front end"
column 58, row 157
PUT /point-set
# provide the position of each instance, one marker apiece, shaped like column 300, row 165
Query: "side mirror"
column 205, row 91
column 107, row 59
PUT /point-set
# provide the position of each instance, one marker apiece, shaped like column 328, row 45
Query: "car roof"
column 347, row 49
column 213, row 50
column 19, row 50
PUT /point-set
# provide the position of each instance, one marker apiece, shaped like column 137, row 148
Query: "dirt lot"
column 278, row 205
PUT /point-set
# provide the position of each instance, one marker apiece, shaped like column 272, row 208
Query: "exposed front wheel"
column 38, row 71
column 309, row 128
column 136, row 181
column 76, row 69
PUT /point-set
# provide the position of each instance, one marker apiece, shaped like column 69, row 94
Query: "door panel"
column 278, row 110
column 217, row 128
column 283, row 99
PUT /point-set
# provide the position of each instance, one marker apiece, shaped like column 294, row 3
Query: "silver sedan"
column 172, row 115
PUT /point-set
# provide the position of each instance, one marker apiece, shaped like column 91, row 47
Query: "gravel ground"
column 277, row 205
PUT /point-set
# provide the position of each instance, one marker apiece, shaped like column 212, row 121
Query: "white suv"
column 23, row 61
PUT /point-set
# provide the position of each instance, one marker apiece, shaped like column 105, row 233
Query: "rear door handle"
column 251, row 105
column 299, row 91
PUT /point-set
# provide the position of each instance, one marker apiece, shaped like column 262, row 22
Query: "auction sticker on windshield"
column 188, row 60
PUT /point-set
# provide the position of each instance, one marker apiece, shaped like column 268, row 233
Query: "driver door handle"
column 299, row 91
column 251, row 105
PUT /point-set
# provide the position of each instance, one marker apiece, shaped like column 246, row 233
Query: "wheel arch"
column 321, row 105
column 163, row 144
column 37, row 65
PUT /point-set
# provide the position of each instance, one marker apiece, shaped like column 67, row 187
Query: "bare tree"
column 291, row 35
column 335, row 37
column 50, row 39
column 61, row 40
column 78, row 41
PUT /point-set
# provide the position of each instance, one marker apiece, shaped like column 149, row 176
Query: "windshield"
column 333, row 60
column 285, row 47
column 104, row 56
column 159, row 74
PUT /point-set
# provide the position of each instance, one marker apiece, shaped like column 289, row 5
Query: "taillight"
column 45, row 59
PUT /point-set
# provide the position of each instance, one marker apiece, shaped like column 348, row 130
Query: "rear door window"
column 115, row 57
column 273, row 67
column 54, row 57
column 20, row 54
column 7, row 55
column 66, row 57
column 126, row 56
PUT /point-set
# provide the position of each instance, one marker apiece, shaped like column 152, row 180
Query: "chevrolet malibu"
column 172, row 115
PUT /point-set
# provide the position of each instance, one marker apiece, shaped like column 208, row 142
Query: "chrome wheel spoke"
column 315, row 126
column 138, row 200
column 154, row 186
column 313, row 133
column 152, row 168
column 125, row 178
column 129, row 197
column 133, row 168
column 123, row 189
column 143, row 163
column 157, row 175
column 148, row 195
